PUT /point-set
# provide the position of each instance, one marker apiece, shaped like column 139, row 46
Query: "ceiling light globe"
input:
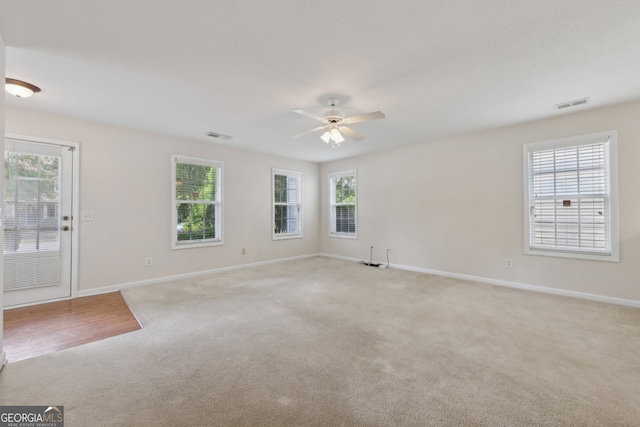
column 19, row 91
column 19, row 88
column 326, row 137
column 337, row 136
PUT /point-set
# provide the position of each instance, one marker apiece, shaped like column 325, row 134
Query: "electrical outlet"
column 148, row 262
column 260, row 249
column 508, row 263
column 243, row 251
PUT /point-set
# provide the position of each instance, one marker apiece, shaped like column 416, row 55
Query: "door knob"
column 66, row 228
column 65, row 218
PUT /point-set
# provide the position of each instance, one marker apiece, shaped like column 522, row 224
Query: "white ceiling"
column 238, row 67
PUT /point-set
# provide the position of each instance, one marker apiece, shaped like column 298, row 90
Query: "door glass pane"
column 31, row 202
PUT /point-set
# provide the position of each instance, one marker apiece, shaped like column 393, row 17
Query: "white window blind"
column 197, row 202
column 343, row 210
column 569, row 203
column 287, row 207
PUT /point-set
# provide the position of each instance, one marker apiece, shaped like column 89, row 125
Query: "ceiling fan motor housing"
column 333, row 117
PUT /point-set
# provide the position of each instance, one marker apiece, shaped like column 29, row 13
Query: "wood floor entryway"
column 45, row 328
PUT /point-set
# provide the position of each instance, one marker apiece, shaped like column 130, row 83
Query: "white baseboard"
column 116, row 288
column 345, row 258
column 508, row 284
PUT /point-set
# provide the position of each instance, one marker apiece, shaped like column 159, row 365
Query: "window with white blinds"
column 197, row 202
column 342, row 203
column 287, row 204
column 570, row 202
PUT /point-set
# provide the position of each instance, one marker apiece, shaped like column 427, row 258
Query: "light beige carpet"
column 324, row 342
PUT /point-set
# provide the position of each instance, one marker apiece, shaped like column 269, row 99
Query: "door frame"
column 75, row 207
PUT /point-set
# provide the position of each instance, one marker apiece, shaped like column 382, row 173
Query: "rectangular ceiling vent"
column 218, row 135
column 570, row 104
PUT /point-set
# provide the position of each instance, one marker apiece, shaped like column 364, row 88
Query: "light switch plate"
column 86, row 216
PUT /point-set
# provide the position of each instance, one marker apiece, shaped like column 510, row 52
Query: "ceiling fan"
column 335, row 121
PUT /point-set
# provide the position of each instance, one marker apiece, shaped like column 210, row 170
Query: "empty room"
column 305, row 213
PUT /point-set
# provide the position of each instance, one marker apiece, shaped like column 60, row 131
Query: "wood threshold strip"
column 44, row 328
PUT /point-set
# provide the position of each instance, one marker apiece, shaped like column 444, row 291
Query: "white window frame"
column 294, row 204
column 611, row 193
column 332, row 205
column 218, row 203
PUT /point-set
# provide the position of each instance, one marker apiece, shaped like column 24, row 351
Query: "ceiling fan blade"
column 351, row 133
column 376, row 115
column 310, row 131
column 308, row 114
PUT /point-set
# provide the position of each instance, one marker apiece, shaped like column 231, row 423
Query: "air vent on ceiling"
column 218, row 135
column 570, row 104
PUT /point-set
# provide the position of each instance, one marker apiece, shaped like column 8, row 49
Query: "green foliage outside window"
column 346, row 189
column 31, row 199
column 196, row 194
column 280, row 188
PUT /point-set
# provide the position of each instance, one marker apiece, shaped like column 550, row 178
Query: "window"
column 571, row 197
column 343, row 213
column 287, row 208
column 197, row 202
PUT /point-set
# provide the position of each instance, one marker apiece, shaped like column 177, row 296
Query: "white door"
column 37, row 219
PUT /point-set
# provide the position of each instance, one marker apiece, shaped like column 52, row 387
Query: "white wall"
column 456, row 205
column 125, row 179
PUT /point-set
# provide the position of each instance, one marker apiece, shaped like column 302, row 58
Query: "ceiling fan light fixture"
column 326, row 137
column 336, row 136
column 19, row 88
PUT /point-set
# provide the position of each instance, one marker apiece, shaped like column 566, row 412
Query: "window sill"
column 344, row 235
column 286, row 236
column 613, row 257
column 196, row 245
